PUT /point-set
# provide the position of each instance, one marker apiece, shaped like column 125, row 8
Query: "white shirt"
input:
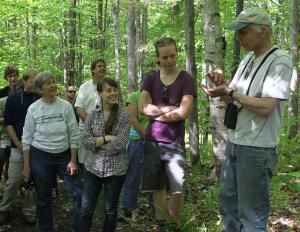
column 50, row 127
column 272, row 80
column 87, row 98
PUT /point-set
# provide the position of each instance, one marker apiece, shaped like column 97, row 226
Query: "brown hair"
column 112, row 117
column 29, row 73
column 95, row 62
column 165, row 41
column 10, row 70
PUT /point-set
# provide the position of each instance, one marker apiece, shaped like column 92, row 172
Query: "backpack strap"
column 261, row 63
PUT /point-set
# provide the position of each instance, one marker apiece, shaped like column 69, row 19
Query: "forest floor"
column 199, row 214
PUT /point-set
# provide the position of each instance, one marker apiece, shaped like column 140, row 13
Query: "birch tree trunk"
column 214, row 57
column 144, row 34
column 189, row 24
column 131, row 38
column 138, row 39
column 293, row 100
column 115, row 16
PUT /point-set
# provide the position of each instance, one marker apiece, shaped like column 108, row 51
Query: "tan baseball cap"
column 253, row 15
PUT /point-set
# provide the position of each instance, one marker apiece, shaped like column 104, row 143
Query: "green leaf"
column 295, row 187
column 295, row 174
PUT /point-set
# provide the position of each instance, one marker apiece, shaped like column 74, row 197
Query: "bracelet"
column 104, row 141
column 231, row 93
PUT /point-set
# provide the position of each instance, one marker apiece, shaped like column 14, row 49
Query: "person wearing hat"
column 257, row 93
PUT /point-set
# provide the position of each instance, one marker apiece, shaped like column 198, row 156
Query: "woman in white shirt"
column 50, row 142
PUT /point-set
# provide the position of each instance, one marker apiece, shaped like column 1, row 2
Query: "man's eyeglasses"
column 71, row 91
column 165, row 93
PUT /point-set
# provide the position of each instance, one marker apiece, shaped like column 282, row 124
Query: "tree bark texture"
column 138, row 41
column 115, row 16
column 189, row 24
column 72, row 41
column 293, row 100
column 214, row 57
column 131, row 41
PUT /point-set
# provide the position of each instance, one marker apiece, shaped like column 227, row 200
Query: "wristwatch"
column 231, row 93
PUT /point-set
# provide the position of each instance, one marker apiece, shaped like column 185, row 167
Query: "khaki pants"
column 12, row 185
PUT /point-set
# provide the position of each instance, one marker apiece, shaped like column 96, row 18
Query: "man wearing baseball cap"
column 256, row 97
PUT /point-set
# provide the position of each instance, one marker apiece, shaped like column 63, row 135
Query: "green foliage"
column 279, row 197
column 200, row 212
column 295, row 187
column 289, row 153
column 287, row 174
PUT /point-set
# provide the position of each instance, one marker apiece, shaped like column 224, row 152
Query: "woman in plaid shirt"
column 106, row 135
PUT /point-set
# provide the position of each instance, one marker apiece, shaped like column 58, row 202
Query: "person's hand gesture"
column 217, row 77
column 221, row 90
column 26, row 173
column 72, row 168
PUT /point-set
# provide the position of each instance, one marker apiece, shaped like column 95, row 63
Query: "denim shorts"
column 163, row 167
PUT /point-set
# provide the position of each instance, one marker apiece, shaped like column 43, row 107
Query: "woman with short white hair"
column 50, row 142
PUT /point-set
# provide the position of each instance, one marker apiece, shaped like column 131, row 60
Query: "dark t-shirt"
column 168, row 132
column 4, row 92
column 16, row 109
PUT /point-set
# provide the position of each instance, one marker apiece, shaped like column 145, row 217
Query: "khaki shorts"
column 163, row 167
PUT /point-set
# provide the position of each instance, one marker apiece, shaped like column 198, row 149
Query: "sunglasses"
column 165, row 93
column 71, row 91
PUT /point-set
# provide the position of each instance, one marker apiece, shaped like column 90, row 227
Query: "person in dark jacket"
column 14, row 116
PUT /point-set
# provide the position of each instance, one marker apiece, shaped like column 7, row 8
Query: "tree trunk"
column 79, row 77
column 175, row 12
column 33, row 42
column 236, row 45
column 31, row 39
column 102, row 23
column 293, row 100
column 214, row 57
column 27, row 34
column 115, row 16
column 72, row 39
column 138, row 40
column 189, row 24
column 144, row 34
column 131, row 39
column 66, row 56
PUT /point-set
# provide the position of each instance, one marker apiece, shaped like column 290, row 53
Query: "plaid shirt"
column 111, row 160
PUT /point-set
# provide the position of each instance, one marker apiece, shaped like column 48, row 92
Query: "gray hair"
column 42, row 78
column 258, row 28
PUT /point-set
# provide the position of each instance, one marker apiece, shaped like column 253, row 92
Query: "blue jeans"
column 245, row 187
column 91, row 190
column 44, row 168
column 133, row 177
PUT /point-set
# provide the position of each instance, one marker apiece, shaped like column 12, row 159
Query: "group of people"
column 122, row 149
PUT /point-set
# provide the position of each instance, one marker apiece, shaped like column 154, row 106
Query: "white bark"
column 214, row 53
